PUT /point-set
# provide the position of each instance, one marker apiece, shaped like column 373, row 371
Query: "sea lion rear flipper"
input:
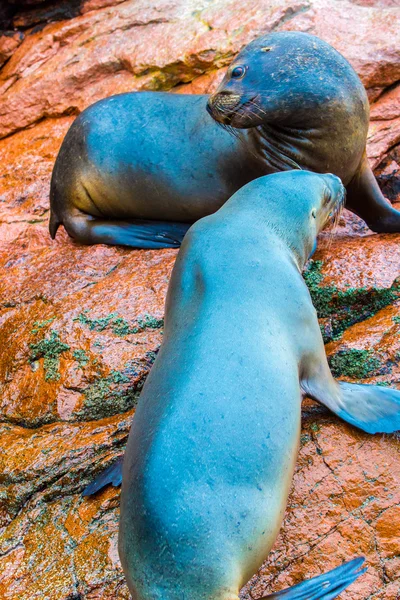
column 366, row 200
column 112, row 475
column 324, row 587
column 139, row 233
column 54, row 224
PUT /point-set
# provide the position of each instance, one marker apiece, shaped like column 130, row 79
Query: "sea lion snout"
column 336, row 187
column 222, row 105
column 334, row 180
column 334, row 200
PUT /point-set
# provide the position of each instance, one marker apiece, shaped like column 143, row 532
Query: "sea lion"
column 214, row 440
column 307, row 109
column 137, row 169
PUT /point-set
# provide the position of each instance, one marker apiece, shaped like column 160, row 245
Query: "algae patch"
column 117, row 392
column 119, row 325
column 357, row 364
column 38, row 325
column 109, row 395
column 340, row 309
column 50, row 349
column 81, row 357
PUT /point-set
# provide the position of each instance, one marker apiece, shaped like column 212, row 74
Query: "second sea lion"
column 214, row 441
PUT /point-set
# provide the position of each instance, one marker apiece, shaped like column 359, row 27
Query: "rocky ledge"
column 80, row 327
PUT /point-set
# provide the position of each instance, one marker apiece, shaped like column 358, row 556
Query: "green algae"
column 357, row 364
column 38, row 325
column 105, row 396
column 304, row 439
column 149, row 322
column 50, row 349
column 119, row 325
column 343, row 308
column 81, row 357
column 95, row 324
column 116, row 392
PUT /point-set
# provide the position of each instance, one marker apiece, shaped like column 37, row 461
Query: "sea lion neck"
column 276, row 147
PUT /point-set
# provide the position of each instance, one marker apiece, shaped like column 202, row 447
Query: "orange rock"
column 61, row 69
column 354, row 261
column 79, row 326
column 344, row 482
column 9, row 42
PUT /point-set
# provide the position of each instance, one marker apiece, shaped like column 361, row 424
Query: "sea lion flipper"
column 326, row 586
column 54, row 224
column 366, row 200
column 372, row 408
column 111, row 476
column 150, row 235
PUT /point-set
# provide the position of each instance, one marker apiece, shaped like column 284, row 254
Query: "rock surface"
column 80, row 327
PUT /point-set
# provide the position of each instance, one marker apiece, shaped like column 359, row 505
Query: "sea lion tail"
column 112, row 475
column 324, row 587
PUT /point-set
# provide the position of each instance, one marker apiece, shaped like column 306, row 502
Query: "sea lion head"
column 315, row 201
column 295, row 205
column 280, row 77
column 327, row 206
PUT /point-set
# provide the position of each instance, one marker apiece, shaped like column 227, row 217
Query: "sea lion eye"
column 238, row 72
column 314, row 213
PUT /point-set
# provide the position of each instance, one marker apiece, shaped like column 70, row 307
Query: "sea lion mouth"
column 235, row 110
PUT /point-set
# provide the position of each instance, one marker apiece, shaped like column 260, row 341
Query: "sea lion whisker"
column 239, row 111
column 261, row 110
column 229, row 129
column 334, row 218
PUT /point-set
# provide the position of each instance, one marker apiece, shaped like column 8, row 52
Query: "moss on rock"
column 109, row 395
column 50, row 349
column 357, row 364
column 340, row 309
column 81, row 357
column 119, row 325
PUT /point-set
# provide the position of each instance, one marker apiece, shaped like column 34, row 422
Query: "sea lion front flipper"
column 323, row 587
column 150, row 235
column 366, row 200
column 112, row 475
column 372, row 408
